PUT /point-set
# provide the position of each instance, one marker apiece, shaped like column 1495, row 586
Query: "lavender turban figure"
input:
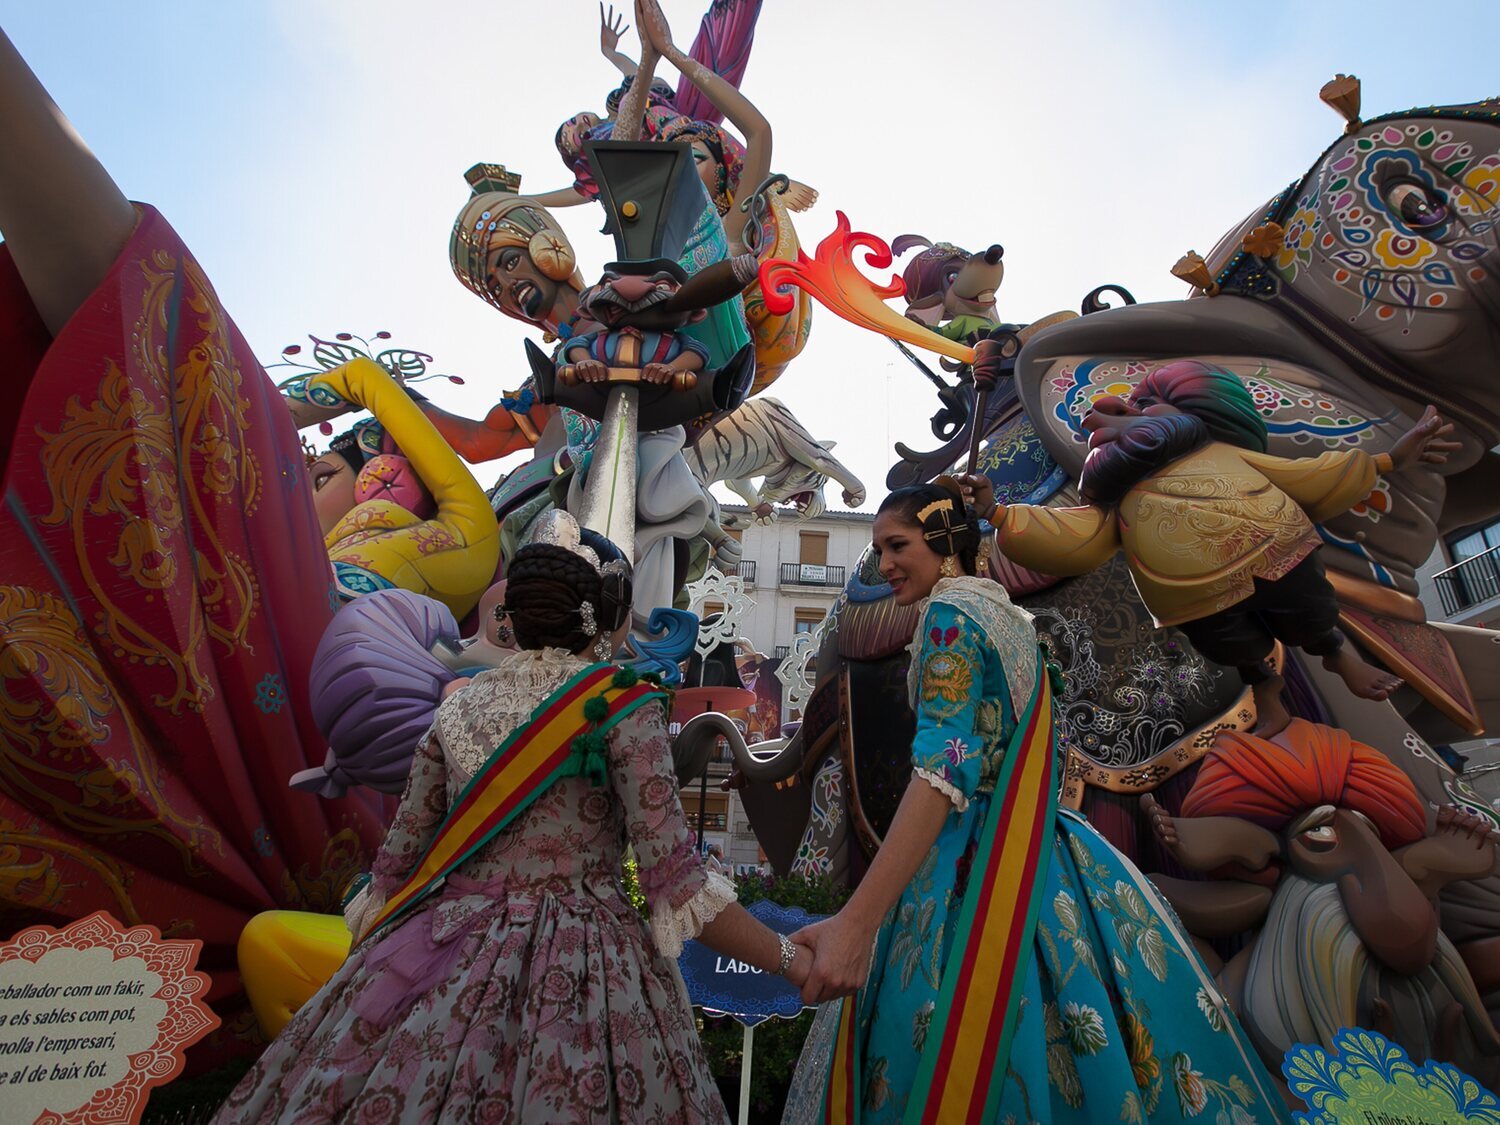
column 375, row 686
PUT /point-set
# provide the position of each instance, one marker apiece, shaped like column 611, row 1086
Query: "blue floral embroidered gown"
column 1119, row 1019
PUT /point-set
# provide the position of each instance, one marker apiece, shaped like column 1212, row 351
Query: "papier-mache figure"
column 643, row 301
column 1219, row 533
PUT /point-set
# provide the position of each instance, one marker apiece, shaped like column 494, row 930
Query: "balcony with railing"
column 812, row 575
column 783, row 651
column 1470, row 583
column 747, row 572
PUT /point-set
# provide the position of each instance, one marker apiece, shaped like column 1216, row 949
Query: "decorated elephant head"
column 1365, row 291
column 1389, row 249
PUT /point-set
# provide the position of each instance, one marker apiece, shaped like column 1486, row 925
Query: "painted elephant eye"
column 1417, row 205
column 1321, row 839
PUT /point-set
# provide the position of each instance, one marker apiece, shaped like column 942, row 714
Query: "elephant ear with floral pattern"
column 1369, row 289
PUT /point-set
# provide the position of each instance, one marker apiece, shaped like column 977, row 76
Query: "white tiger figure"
column 764, row 439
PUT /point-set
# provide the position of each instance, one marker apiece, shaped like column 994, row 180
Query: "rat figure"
column 1219, row 533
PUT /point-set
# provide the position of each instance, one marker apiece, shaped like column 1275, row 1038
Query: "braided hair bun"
column 546, row 587
column 938, row 509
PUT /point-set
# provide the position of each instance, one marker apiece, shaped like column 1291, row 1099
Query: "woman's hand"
column 801, row 965
column 611, row 27
column 653, row 27
column 841, row 957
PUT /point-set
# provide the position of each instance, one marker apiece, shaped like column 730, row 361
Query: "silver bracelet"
column 788, row 954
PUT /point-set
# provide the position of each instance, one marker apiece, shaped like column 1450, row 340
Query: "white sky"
column 311, row 152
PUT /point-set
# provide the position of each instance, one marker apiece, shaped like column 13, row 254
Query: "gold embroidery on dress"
column 55, row 706
column 322, row 890
column 114, row 466
column 947, row 679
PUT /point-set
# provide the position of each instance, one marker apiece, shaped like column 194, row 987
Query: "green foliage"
column 778, row 1042
column 632, row 880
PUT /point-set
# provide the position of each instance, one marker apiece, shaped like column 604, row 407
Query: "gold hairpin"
column 936, row 506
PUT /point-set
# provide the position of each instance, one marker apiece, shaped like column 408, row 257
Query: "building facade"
column 793, row 571
column 1460, row 583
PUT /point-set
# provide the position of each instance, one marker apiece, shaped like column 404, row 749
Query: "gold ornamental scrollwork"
column 1081, row 771
column 56, row 709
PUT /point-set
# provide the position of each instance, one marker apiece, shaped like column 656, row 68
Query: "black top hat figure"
column 654, row 201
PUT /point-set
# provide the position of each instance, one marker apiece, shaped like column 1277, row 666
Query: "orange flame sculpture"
column 836, row 283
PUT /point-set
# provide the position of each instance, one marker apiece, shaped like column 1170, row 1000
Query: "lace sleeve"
column 682, row 892
column 671, row 926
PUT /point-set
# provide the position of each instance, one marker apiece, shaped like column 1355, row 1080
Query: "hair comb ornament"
column 946, row 523
column 559, row 529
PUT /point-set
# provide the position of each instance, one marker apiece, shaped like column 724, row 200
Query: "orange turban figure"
column 1269, row 783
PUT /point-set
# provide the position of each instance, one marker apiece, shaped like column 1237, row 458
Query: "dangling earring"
column 604, row 648
column 949, row 567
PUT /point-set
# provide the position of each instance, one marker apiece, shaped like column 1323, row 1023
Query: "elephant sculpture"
column 1363, row 292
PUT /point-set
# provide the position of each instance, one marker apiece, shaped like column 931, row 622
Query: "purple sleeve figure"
column 375, row 686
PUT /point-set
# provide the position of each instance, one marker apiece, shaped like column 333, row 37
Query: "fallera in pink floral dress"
column 527, row 988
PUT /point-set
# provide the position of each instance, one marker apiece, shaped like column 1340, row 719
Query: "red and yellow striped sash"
column 529, row 761
column 842, row 1101
column 962, row 1070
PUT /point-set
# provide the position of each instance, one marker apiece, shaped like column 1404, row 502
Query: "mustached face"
column 635, row 300
column 1110, row 416
column 520, row 288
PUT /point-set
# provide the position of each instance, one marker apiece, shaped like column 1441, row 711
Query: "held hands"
column 1426, row 442
column 801, row 965
column 841, row 950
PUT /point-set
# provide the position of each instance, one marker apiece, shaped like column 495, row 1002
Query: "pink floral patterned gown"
column 527, row 988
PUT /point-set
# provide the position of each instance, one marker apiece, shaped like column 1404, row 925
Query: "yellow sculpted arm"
column 1063, row 541
column 463, row 509
column 1325, row 486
